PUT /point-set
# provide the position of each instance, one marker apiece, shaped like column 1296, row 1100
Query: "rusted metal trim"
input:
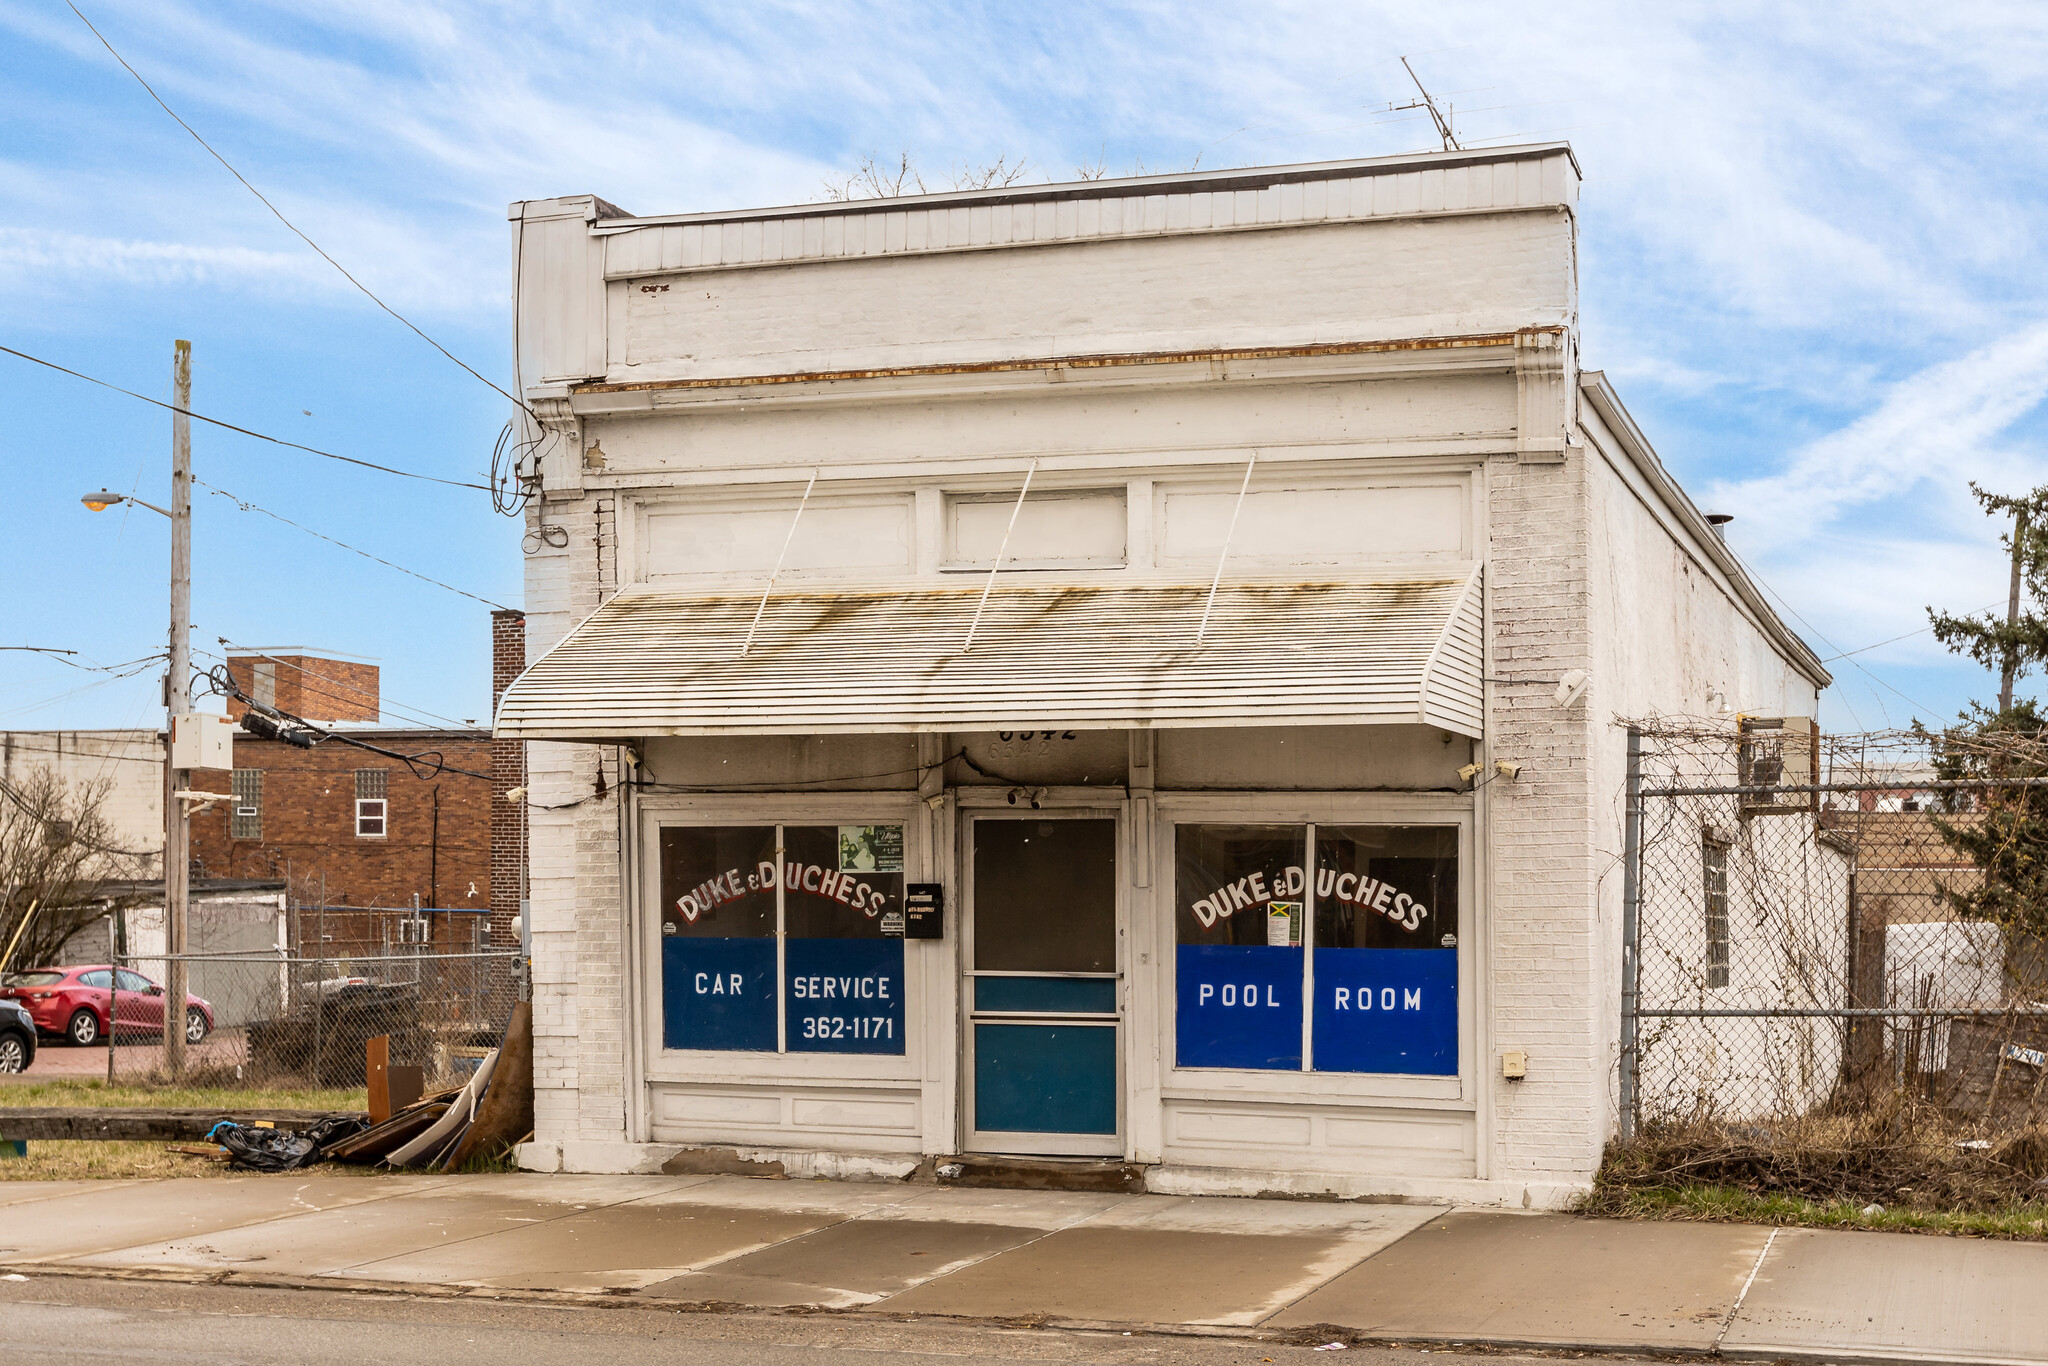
column 1095, row 362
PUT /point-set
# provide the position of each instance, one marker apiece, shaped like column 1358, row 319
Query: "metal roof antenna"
column 756, row 624
column 1001, row 551
column 1228, row 536
column 1441, row 116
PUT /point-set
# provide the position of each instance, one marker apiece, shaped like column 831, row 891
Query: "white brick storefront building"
column 1075, row 671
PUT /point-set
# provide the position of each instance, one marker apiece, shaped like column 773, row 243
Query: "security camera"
column 1571, row 687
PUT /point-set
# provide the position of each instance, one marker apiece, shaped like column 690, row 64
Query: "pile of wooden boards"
column 480, row 1119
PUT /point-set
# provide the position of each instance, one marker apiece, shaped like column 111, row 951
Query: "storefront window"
column 825, row 901
column 1239, row 965
column 1372, row 939
column 718, row 937
column 1386, row 949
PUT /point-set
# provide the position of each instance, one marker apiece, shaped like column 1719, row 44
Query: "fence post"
column 1631, row 899
column 320, row 983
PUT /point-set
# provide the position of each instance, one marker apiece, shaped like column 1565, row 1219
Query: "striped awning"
column 1068, row 655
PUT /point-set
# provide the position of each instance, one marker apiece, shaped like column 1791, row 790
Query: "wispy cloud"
column 1938, row 427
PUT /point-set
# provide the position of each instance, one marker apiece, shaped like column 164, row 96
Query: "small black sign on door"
column 924, row 911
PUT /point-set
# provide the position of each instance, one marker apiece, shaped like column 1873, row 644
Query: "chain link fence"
column 299, row 1016
column 1807, row 936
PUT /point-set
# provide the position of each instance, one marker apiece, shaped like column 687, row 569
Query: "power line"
column 1848, row 655
column 155, row 758
column 424, row 765
column 274, row 440
column 405, row 711
column 46, row 819
column 87, row 668
column 1921, row 631
column 280, row 216
column 247, row 506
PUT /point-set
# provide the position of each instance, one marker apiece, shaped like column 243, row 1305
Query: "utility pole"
column 178, row 700
column 2012, row 608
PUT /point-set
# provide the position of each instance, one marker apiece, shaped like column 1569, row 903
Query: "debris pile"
column 480, row 1119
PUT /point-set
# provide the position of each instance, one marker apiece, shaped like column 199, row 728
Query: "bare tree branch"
column 58, row 855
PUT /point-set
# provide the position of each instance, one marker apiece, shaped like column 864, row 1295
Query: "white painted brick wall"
column 574, row 858
column 1542, row 868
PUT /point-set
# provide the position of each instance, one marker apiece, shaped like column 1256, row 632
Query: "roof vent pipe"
column 1719, row 522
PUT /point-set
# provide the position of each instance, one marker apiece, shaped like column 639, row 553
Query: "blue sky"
column 1810, row 251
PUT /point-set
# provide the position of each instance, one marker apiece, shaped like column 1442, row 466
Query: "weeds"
column 1908, row 1163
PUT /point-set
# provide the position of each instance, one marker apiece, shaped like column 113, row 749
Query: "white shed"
column 1074, row 670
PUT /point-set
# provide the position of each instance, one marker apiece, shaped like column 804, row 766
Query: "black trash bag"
column 279, row 1150
column 334, row 1129
column 264, row 1150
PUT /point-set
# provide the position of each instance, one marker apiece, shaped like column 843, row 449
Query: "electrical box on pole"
column 202, row 741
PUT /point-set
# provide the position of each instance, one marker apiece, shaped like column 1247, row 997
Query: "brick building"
column 1123, row 669
column 345, row 824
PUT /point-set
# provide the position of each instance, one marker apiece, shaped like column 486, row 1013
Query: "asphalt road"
column 76, row 1319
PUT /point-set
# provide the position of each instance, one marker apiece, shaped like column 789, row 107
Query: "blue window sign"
column 844, row 995
column 1381, row 950
column 730, row 893
column 718, row 993
column 1387, row 1010
column 1238, row 1006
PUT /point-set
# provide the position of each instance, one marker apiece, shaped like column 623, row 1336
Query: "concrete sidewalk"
column 1265, row 1267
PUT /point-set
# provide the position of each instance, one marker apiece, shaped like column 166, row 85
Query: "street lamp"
column 101, row 501
column 178, row 701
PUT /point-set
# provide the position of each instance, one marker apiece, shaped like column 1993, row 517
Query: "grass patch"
column 78, row 1091
column 93, row 1159
column 1728, row 1205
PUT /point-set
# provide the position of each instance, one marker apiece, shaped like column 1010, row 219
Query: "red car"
column 73, row 1002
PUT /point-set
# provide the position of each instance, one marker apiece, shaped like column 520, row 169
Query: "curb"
column 628, row 1299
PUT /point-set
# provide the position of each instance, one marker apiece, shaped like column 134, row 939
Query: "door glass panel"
column 1045, row 1078
column 1045, row 896
column 1386, row 949
column 1238, row 920
column 718, row 937
column 844, row 978
column 1050, row 995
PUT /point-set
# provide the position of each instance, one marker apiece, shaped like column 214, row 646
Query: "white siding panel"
column 890, row 230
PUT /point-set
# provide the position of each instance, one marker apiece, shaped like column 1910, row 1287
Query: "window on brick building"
column 245, row 822
column 373, row 811
column 1714, row 870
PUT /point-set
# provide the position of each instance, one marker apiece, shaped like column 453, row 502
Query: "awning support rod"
column 1217, row 582
column 1001, row 551
column 755, row 625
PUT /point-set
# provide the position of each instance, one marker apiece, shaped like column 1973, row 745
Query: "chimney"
column 319, row 686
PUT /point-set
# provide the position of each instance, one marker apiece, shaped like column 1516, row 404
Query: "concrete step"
column 1015, row 1172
